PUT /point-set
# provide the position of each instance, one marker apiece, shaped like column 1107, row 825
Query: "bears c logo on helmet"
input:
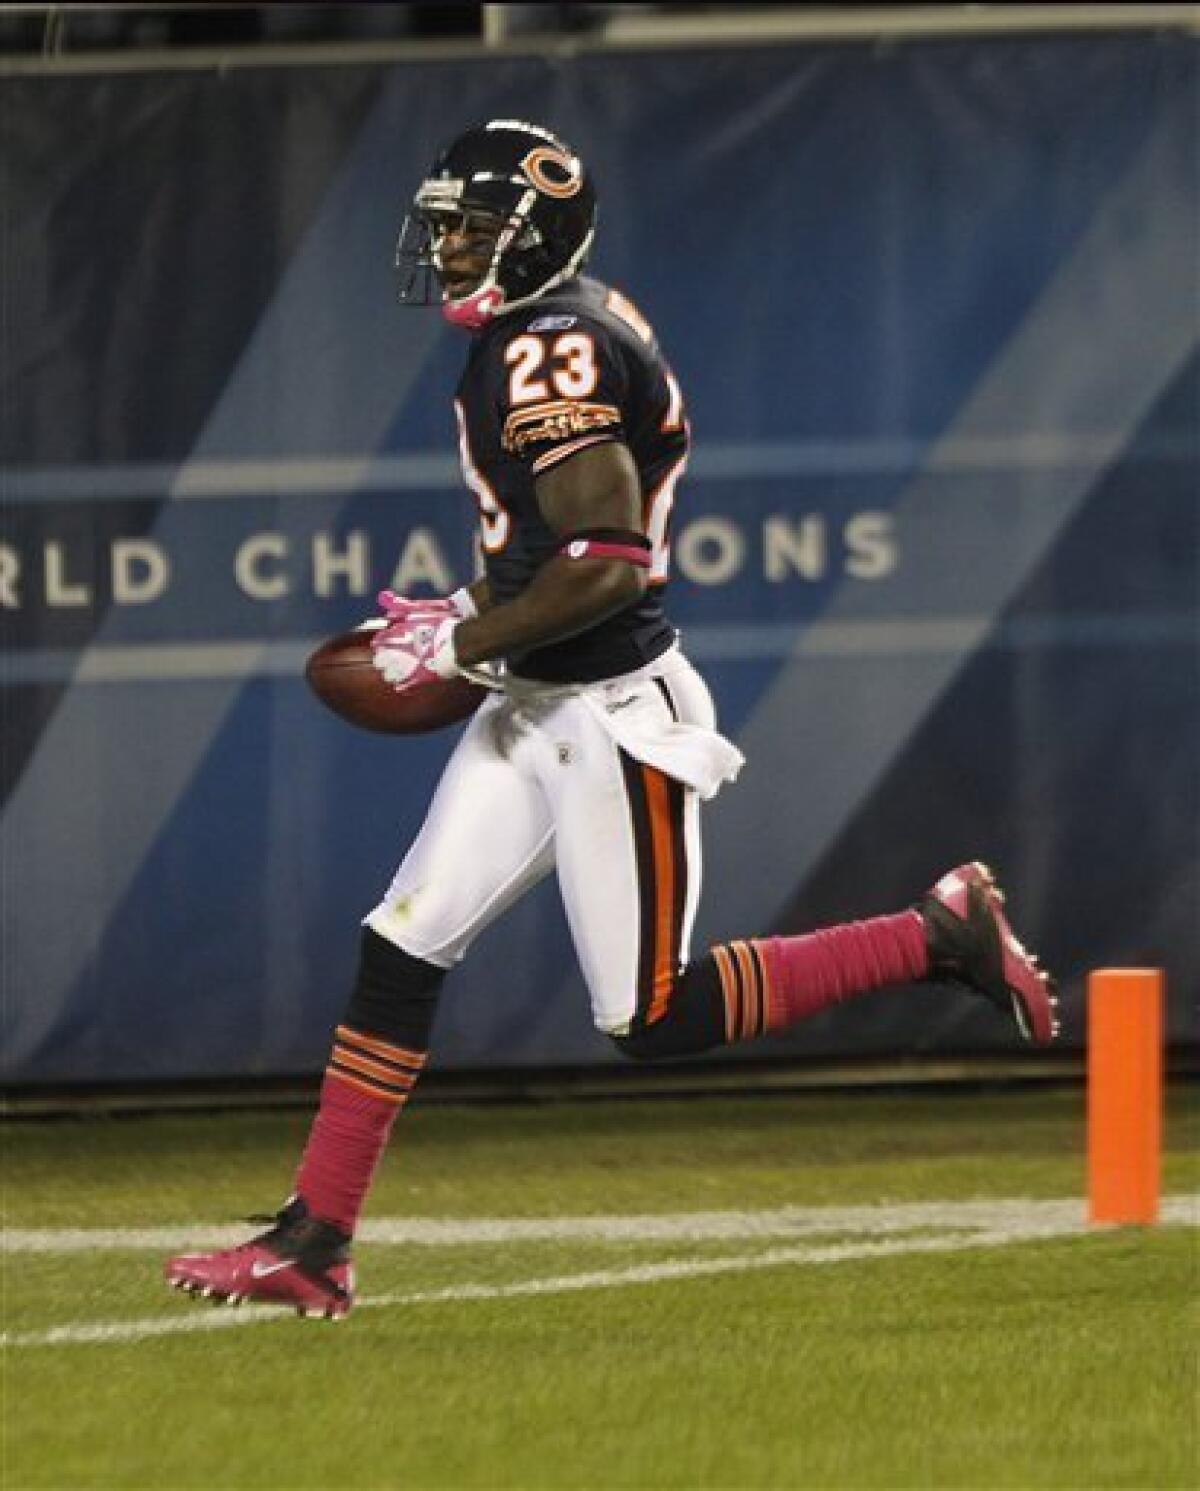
column 552, row 172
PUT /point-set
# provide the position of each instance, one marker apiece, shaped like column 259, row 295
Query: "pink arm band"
column 591, row 548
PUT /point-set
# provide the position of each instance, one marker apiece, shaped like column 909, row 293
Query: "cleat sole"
column 1046, row 986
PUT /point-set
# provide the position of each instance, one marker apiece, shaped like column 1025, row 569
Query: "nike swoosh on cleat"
column 261, row 1270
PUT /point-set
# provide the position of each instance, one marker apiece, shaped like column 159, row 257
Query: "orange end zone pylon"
column 1125, row 1093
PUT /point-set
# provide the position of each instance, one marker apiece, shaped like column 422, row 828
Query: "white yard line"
column 705, row 1226
column 988, row 1224
column 218, row 1318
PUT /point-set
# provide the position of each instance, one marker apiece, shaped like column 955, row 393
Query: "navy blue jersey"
column 578, row 367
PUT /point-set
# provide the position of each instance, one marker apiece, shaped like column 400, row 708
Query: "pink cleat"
column 301, row 1261
column 970, row 942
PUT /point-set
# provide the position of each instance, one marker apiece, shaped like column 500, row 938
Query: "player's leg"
column 487, row 837
column 630, row 864
column 628, row 857
column 379, row 1049
column 629, row 867
column 957, row 934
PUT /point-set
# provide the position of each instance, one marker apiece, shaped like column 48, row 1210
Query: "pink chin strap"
column 474, row 310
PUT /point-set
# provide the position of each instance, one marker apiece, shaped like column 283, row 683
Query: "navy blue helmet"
column 531, row 191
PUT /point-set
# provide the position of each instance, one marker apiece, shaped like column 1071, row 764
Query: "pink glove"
column 417, row 648
column 399, row 607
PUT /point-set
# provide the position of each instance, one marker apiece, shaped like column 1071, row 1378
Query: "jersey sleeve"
column 563, row 386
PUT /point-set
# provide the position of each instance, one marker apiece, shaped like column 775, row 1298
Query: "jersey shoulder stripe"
column 561, row 452
column 556, row 420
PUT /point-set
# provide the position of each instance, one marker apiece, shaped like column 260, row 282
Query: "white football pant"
column 537, row 783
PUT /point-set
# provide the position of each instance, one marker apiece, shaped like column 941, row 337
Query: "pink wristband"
column 591, row 548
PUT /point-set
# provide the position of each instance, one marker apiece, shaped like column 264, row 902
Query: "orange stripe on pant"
column 662, row 835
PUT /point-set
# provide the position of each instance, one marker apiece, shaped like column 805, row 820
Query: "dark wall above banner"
column 934, row 313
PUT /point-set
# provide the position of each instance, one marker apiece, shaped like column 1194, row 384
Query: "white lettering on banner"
column 10, row 574
column 329, row 563
column 141, row 571
column 709, row 551
column 59, row 592
column 872, row 546
column 422, row 562
column 248, row 560
column 794, row 547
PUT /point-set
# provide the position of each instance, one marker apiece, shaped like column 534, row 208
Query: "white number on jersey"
column 658, row 519
column 570, row 362
column 495, row 525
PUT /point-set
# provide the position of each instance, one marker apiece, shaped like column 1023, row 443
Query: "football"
column 342, row 676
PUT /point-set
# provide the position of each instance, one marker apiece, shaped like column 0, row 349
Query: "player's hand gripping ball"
column 379, row 678
column 416, row 648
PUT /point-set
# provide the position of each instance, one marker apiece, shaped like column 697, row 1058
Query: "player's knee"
column 395, row 995
column 666, row 1040
column 692, row 1021
column 641, row 1041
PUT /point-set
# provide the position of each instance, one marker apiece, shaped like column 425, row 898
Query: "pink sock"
column 811, row 973
column 365, row 1087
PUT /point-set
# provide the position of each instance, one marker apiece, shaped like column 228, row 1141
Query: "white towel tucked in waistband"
column 633, row 714
column 644, row 712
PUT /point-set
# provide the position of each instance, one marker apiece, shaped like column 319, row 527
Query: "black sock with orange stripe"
column 378, row 1054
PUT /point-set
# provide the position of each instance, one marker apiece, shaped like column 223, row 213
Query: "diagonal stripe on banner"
column 1090, row 357
column 327, row 369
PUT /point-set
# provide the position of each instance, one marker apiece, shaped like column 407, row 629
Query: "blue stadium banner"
column 934, row 308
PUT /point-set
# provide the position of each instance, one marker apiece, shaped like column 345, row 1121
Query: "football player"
column 592, row 759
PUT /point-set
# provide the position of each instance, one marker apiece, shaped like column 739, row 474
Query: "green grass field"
column 627, row 1336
